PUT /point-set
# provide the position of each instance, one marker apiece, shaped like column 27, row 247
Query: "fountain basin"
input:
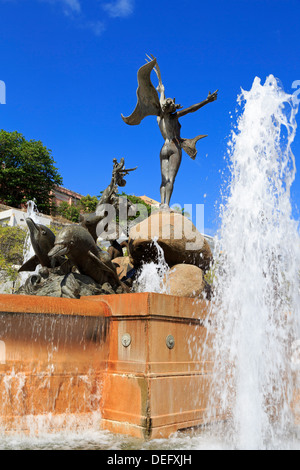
column 134, row 360
column 53, row 355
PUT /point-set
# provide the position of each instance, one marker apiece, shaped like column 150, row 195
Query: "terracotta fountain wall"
column 130, row 358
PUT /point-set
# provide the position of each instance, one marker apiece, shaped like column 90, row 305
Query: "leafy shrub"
column 88, row 203
column 68, row 212
column 12, row 240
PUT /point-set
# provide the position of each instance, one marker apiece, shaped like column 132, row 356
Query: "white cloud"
column 97, row 27
column 69, row 6
column 74, row 9
column 74, row 5
column 119, row 8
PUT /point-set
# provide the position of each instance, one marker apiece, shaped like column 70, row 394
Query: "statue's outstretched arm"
column 210, row 98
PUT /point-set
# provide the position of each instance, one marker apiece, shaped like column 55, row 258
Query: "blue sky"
column 70, row 71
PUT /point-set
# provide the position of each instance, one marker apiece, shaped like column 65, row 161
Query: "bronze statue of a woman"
column 168, row 114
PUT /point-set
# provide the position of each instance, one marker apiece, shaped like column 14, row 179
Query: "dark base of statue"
column 72, row 285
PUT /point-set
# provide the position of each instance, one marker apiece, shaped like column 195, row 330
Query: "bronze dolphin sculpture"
column 42, row 240
column 90, row 222
column 78, row 245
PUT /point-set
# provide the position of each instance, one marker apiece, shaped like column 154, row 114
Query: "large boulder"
column 185, row 280
column 179, row 239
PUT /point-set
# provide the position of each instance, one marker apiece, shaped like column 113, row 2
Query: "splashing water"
column 28, row 250
column 33, row 213
column 255, row 310
column 153, row 277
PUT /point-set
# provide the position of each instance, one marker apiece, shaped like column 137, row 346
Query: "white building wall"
column 15, row 217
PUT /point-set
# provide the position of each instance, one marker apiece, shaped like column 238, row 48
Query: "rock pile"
column 185, row 249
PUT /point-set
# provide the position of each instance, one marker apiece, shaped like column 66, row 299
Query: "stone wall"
column 3, row 207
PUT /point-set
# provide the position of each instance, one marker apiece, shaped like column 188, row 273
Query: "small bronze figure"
column 168, row 114
column 109, row 196
column 117, row 179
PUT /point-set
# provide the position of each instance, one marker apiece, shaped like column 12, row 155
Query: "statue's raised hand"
column 212, row 96
column 160, row 88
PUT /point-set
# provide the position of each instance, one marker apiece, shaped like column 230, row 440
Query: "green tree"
column 68, row 212
column 88, row 203
column 27, row 171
